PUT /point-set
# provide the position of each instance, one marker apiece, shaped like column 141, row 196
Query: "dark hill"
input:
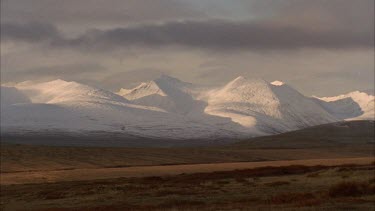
column 333, row 134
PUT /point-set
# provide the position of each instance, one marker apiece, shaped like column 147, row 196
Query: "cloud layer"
column 309, row 43
column 213, row 35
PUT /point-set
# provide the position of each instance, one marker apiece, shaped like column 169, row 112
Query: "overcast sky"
column 321, row 47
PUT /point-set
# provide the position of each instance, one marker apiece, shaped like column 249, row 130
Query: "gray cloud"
column 80, row 15
column 66, row 71
column 283, row 24
column 357, row 15
column 319, row 46
column 30, row 32
column 214, row 35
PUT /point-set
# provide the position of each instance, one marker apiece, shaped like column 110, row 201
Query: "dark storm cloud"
column 124, row 35
column 31, row 32
column 87, row 12
column 284, row 24
column 226, row 35
column 347, row 13
column 212, row 35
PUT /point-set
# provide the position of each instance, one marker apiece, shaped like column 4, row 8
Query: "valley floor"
column 21, row 158
column 166, row 170
column 328, row 167
column 317, row 187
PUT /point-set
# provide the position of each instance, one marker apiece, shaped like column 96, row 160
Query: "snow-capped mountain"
column 273, row 107
column 165, row 92
column 167, row 108
column 70, row 106
column 354, row 105
column 59, row 91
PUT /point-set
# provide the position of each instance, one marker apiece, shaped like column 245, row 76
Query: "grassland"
column 69, row 181
column 38, row 158
column 350, row 187
column 338, row 140
column 27, row 177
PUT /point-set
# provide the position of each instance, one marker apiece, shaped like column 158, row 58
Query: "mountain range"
column 167, row 108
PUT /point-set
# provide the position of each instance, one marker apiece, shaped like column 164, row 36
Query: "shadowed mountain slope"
column 328, row 135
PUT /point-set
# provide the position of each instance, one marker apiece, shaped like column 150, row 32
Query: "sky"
column 320, row 47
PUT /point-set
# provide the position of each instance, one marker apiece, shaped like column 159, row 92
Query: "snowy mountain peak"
column 143, row 90
column 243, row 89
column 277, row 83
column 60, row 81
column 60, row 91
column 241, row 98
column 164, row 86
column 239, row 78
column 355, row 94
column 280, row 106
column 353, row 105
column 56, row 83
column 165, row 81
column 242, row 82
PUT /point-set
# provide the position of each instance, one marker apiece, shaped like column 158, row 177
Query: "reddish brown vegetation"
column 343, row 189
column 231, row 190
column 305, row 199
column 239, row 174
column 277, row 183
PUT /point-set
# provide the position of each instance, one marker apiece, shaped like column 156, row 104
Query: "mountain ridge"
column 170, row 108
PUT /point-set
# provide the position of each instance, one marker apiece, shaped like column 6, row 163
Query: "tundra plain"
column 319, row 168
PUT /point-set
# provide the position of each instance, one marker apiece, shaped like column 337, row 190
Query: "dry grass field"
column 77, row 174
column 348, row 187
column 321, row 168
column 338, row 140
column 36, row 158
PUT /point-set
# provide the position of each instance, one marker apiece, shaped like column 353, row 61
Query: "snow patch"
column 277, row 83
column 352, row 106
